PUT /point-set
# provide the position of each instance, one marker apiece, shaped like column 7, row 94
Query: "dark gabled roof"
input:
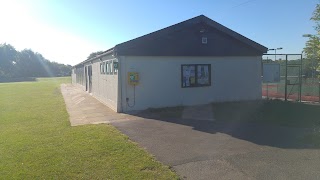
column 234, row 34
column 184, row 39
column 154, row 38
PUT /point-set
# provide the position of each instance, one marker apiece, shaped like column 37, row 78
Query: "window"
column 111, row 67
column 102, row 70
column 115, row 66
column 107, row 67
column 195, row 75
column 204, row 40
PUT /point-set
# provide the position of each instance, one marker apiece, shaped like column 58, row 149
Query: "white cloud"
column 20, row 29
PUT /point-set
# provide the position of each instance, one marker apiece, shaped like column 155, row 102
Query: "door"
column 90, row 78
column 86, row 76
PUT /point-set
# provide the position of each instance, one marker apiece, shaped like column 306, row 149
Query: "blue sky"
column 67, row 31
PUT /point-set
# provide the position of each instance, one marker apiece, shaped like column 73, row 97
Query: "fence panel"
column 295, row 82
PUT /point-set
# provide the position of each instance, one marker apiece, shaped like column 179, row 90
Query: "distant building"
column 197, row 61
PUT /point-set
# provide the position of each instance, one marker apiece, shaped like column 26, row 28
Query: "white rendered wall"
column 105, row 87
column 73, row 77
column 232, row 79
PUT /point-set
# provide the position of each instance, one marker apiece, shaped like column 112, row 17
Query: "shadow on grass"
column 22, row 79
column 271, row 123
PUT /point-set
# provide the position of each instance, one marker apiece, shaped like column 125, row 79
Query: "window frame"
column 101, row 68
column 196, row 83
column 115, row 70
column 106, row 67
column 111, row 67
column 204, row 40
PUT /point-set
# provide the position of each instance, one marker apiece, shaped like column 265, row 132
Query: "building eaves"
column 109, row 51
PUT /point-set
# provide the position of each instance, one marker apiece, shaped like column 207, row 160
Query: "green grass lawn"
column 37, row 142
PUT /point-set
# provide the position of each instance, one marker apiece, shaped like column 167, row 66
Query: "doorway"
column 88, row 73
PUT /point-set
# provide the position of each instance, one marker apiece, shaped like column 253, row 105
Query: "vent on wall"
column 204, row 40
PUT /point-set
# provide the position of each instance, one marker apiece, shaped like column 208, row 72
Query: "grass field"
column 37, row 142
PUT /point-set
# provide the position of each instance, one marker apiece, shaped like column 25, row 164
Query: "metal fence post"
column 300, row 79
column 286, row 78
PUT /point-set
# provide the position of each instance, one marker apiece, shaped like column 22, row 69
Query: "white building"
column 197, row 61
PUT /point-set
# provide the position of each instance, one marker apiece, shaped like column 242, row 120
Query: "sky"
column 67, row 31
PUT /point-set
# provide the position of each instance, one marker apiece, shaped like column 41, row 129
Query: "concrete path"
column 85, row 109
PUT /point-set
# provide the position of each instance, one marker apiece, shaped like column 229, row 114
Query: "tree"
column 8, row 56
column 312, row 47
column 316, row 17
column 94, row 54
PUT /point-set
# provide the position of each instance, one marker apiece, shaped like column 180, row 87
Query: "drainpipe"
column 119, row 98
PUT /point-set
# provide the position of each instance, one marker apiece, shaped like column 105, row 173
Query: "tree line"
column 27, row 63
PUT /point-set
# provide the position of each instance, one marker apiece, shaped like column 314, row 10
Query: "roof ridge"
column 166, row 29
column 192, row 21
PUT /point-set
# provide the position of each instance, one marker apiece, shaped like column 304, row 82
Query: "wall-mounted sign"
column 133, row 78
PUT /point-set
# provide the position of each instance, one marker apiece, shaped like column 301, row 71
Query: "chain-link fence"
column 297, row 83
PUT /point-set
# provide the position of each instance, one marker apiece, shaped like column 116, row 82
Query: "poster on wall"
column 203, row 74
column 188, row 75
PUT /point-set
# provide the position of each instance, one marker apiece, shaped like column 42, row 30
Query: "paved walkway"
column 85, row 109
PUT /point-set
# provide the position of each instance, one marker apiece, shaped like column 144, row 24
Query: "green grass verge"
column 37, row 142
